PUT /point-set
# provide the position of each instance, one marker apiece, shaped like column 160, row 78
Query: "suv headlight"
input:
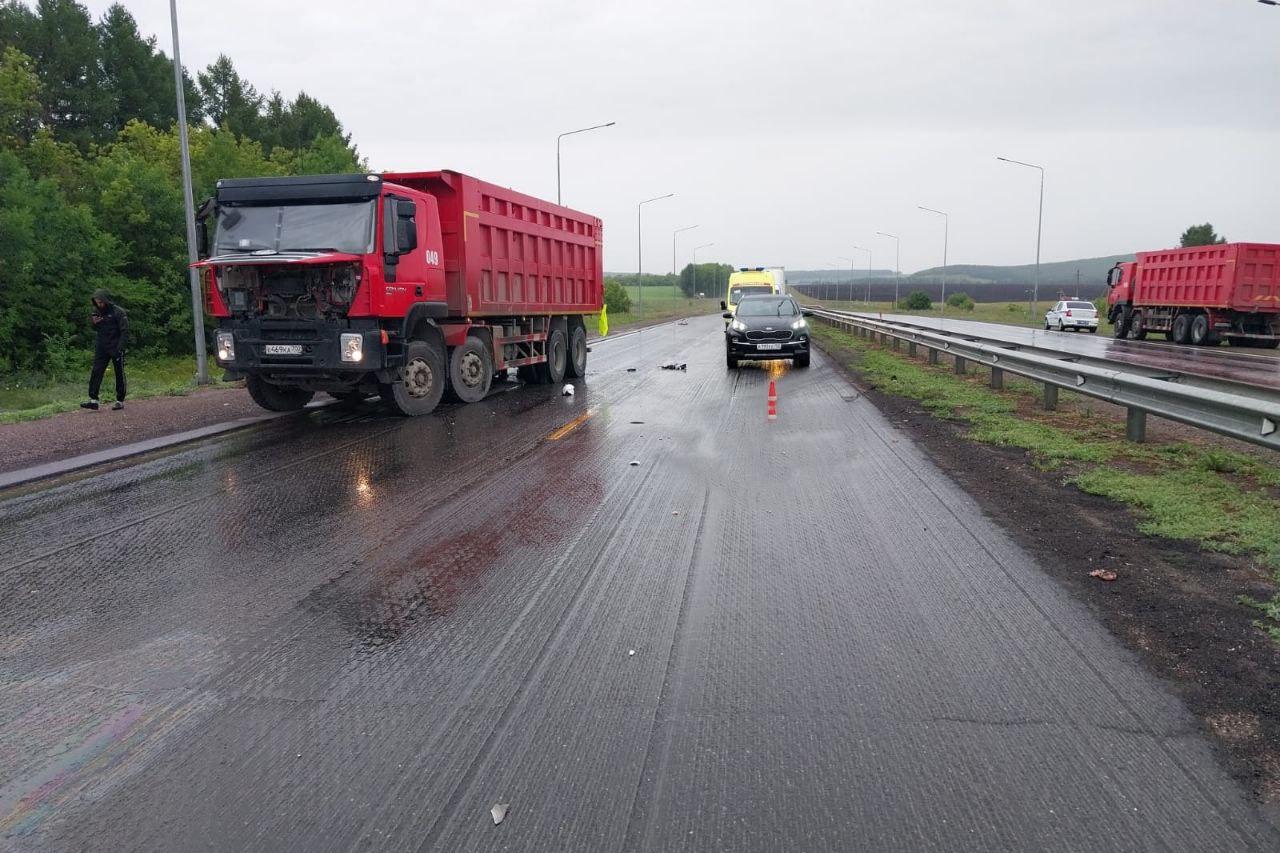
column 799, row 324
column 352, row 346
column 225, row 343
column 738, row 326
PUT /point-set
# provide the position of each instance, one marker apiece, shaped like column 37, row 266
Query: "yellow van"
column 754, row 282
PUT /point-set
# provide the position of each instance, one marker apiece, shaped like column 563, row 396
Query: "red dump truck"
column 407, row 284
column 1200, row 295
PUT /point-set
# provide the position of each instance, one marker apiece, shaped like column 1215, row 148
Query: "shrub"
column 917, row 300
column 616, row 298
column 961, row 300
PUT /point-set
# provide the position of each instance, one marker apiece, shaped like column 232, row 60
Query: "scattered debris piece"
column 675, row 512
column 683, row 323
column 634, row 463
column 1103, row 574
column 674, row 366
column 631, row 370
column 567, row 391
column 631, row 653
column 499, row 812
column 637, row 422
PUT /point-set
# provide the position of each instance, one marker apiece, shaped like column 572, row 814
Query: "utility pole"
column 197, row 302
column 946, row 233
column 1035, row 292
column 562, row 136
column 897, row 269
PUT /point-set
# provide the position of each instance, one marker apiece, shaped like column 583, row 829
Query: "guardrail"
column 1239, row 411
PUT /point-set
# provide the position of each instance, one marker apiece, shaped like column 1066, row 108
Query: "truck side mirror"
column 727, row 315
column 723, row 307
column 202, row 239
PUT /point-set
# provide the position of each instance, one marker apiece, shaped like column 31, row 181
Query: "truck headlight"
column 226, row 346
column 352, row 346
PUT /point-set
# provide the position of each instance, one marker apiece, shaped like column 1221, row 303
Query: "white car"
column 1072, row 314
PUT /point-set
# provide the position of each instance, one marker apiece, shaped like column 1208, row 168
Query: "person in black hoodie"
column 112, row 327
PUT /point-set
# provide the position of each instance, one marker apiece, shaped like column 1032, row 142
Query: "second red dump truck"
column 1200, row 295
column 406, row 284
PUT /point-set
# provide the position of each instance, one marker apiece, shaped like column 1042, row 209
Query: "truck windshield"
column 345, row 227
column 737, row 293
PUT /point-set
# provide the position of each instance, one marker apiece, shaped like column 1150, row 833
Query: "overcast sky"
column 792, row 131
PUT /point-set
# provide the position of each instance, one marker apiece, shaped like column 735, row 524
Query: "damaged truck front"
column 362, row 284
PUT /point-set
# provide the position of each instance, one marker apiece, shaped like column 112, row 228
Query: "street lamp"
column 673, row 245
column 851, row 261
column 1035, row 285
column 946, row 229
column 197, row 306
column 640, row 245
column 897, row 271
column 695, row 264
column 571, row 133
column 868, row 251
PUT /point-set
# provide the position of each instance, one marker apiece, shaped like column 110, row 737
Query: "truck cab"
column 748, row 282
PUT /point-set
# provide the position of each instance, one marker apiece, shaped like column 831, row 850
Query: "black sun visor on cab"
column 303, row 188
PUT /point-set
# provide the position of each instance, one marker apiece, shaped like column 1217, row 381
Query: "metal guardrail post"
column 1050, row 397
column 1135, row 425
column 911, row 348
column 895, row 343
column 959, row 364
column 933, row 356
column 997, row 378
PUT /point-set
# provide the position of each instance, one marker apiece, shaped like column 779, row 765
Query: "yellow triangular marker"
column 604, row 320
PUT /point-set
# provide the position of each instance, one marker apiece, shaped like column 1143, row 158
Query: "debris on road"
column 499, row 812
column 675, row 366
column 567, row 391
column 683, row 323
column 1103, row 574
column 631, row 653
column 637, row 422
column 631, row 370
column 634, row 463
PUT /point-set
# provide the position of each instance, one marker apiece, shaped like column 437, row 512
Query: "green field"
column 660, row 303
column 32, row 396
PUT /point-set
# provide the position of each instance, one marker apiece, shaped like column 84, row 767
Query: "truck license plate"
column 769, row 346
column 283, row 349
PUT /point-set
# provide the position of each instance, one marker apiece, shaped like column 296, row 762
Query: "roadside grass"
column 661, row 302
column 1008, row 313
column 29, row 397
column 1220, row 499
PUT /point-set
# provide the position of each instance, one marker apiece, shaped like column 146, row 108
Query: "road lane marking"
column 571, row 425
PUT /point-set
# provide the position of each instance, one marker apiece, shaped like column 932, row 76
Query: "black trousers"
column 100, row 362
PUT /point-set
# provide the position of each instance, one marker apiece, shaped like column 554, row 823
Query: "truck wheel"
column 471, row 370
column 1121, row 321
column 577, row 364
column 421, row 383
column 1181, row 331
column 277, row 398
column 1200, row 330
column 1137, row 331
column 551, row 371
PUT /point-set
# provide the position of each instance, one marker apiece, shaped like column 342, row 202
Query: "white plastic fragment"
column 568, row 391
column 499, row 812
column 631, row 653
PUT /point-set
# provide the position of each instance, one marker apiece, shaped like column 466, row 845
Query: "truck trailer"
column 1199, row 295
column 409, row 285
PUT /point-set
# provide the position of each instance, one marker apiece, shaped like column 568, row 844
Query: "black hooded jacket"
column 113, row 328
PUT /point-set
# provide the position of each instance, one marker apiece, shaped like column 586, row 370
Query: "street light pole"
column 1035, row 287
column 640, row 245
column 673, row 245
column 897, row 270
column 571, row 133
column 197, row 306
column 695, row 264
column 868, row 251
column 852, row 269
column 946, row 231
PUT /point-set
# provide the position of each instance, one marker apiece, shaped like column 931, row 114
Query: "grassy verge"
column 1222, row 500
column 660, row 303
column 28, row 398
column 1008, row 313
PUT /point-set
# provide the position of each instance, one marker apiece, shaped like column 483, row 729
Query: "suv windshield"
column 761, row 306
column 345, row 227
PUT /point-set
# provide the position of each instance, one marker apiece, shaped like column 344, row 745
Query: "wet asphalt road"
column 1247, row 366
column 346, row 631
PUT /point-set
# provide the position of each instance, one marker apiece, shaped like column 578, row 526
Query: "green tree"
column 64, row 47
column 961, row 300
column 137, row 78
column 230, row 101
column 917, row 300
column 19, row 98
column 616, row 297
column 1201, row 235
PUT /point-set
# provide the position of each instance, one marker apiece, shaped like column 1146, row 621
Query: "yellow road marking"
column 571, row 426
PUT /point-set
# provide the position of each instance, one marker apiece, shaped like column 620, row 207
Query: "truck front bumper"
column 302, row 352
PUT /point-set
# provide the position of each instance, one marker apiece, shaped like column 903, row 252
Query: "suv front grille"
column 777, row 335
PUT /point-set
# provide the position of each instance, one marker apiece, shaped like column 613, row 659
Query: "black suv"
column 766, row 327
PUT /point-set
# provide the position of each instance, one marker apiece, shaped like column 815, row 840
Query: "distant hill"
column 985, row 283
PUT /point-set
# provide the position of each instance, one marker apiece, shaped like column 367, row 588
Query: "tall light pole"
column 197, row 306
column 868, row 251
column 897, row 270
column 1035, row 285
column 571, row 133
column 946, row 229
column 852, row 262
column 695, row 263
column 673, row 245
column 640, row 244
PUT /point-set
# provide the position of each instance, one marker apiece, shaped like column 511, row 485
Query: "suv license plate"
column 283, row 349
column 768, row 346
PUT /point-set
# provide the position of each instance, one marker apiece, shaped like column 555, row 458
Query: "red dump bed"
column 1237, row 276
column 506, row 253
